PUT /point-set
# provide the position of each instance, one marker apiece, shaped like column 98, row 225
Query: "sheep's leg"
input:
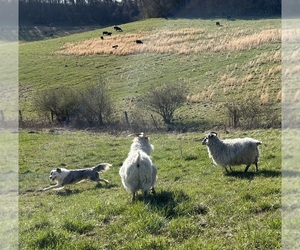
column 145, row 194
column 246, row 169
column 256, row 165
column 133, row 197
column 226, row 170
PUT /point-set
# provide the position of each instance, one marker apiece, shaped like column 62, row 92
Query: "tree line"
column 106, row 12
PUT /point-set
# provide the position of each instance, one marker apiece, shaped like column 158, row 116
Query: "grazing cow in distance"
column 218, row 24
column 138, row 41
column 115, row 46
column 109, row 33
column 116, row 28
column 104, row 32
column 101, row 37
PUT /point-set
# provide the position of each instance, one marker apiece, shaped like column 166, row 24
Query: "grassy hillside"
column 197, row 205
column 220, row 64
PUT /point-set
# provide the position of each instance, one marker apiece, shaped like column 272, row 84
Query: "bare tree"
column 96, row 104
column 62, row 103
column 92, row 105
column 165, row 100
column 249, row 113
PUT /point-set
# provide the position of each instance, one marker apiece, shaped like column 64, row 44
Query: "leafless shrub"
column 140, row 120
column 96, row 104
column 165, row 100
column 61, row 104
column 250, row 113
column 67, row 106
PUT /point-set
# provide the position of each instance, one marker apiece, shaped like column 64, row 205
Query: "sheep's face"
column 142, row 142
column 207, row 138
column 142, row 137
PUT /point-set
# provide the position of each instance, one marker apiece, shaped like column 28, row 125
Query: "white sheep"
column 138, row 171
column 232, row 152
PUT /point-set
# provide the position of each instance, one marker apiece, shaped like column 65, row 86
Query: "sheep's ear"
column 58, row 170
column 213, row 134
column 142, row 134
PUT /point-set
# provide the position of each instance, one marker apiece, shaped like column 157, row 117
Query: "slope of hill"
column 220, row 63
column 197, row 205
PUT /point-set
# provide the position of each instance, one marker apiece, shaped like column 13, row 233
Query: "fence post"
column 126, row 119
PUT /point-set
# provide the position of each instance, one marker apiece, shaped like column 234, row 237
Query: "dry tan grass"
column 274, row 70
column 205, row 95
column 264, row 96
column 254, row 71
column 291, row 35
column 183, row 41
column 240, row 43
column 279, row 96
column 297, row 96
column 295, row 56
column 229, row 81
column 291, row 71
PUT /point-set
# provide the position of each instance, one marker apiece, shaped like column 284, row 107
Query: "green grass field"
column 197, row 205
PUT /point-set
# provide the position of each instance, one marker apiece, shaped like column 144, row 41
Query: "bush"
column 65, row 105
column 165, row 100
column 96, row 105
column 251, row 114
column 62, row 104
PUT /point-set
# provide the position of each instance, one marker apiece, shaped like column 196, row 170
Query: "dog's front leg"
column 101, row 179
column 51, row 187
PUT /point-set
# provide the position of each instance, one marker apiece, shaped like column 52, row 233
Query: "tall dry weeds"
column 183, row 41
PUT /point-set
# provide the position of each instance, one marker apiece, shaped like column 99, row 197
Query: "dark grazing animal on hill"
column 116, row 28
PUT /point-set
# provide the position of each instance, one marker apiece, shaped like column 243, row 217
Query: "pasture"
column 197, row 205
column 219, row 64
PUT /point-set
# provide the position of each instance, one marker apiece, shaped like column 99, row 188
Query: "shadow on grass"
column 251, row 175
column 67, row 191
column 105, row 186
column 166, row 202
column 290, row 173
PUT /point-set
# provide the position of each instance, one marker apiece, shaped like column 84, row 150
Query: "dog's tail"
column 102, row 167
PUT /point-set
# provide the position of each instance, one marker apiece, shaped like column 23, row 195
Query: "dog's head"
column 55, row 174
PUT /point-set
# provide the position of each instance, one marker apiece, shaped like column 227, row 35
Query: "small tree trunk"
column 20, row 116
column 1, row 116
column 154, row 121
